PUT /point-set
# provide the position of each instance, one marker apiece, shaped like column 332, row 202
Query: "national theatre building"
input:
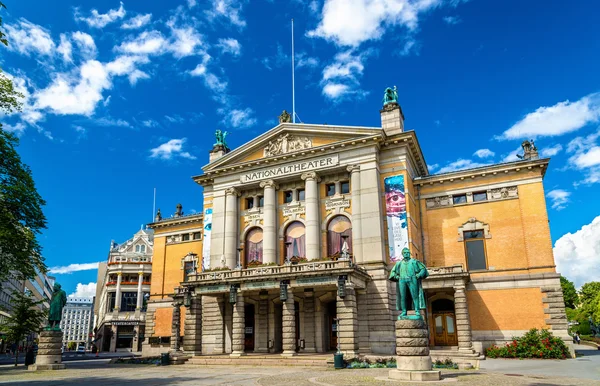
column 302, row 224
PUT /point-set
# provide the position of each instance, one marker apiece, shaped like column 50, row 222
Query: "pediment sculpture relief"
column 286, row 143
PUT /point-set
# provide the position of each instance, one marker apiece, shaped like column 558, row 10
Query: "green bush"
column 534, row 344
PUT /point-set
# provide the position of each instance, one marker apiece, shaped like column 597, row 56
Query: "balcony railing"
column 111, row 283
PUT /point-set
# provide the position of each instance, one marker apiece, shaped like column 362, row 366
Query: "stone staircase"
column 441, row 353
column 324, row 360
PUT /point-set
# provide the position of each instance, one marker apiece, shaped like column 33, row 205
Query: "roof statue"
column 529, row 151
column 390, row 96
column 220, row 136
column 158, row 215
column 285, row 117
column 178, row 210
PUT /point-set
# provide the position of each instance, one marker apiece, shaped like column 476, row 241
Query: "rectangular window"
column 459, row 199
column 330, row 190
column 475, row 250
column 197, row 235
column 249, row 202
column 288, row 196
column 479, row 196
column 261, row 201
column 300, row 194
column 185, row 237
column 345, row 187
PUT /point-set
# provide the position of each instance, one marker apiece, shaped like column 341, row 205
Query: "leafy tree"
column 569, row 292
column 2, row 34
column 590, row 300
column 71, row 346
column 25, row 318
column 9, row 97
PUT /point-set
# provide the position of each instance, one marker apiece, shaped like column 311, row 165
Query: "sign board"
column 248, row 330
column 212, row 288
column 125, row 322
column 332, row 204
column 315, row 280
column 293, row 210
column 260, row 284
column 291, row 168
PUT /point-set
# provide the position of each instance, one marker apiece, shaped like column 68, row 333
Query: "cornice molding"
column 175, row 221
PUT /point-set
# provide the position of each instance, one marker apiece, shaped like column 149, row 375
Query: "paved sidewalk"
column 586, row 366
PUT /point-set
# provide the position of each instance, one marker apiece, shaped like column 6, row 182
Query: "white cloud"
column 227, row 9
column 335, row 90
column 149, row 123
column 184, row 42
column 18, row 129
column 460, row 164
column 238, row 118
column 431, row 168
column 29, row 39
column 230, row 46
column 137, row 21
column 30, row 113
column 175, row 118
column 107, row 121
column 559, row 198
column 65, row 48
column 169, row 150
column 146, row 43
column 484, row 153
column 576, row 254
column 211, row 81
column 84, row 290
column 99, row 20
column 85, row 43
column 352, row 22
column 410, row 46
column 191, row 3
column 340, row 79
column 512, row 156
column 562, row 118
column 585, row 157
column 452, row 20
column 303, row 60
column 68, row 269
column 551, row 151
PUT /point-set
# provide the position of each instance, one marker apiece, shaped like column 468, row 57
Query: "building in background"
column 76, row 322
column 9, row 287
column 123, row 287
column 303, row 223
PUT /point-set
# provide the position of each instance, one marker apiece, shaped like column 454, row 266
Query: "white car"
column 81, row 350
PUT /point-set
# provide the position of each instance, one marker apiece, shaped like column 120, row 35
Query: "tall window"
column 128, row 301
column 110, row 302
column 301, row 194
column 254, row 245
column 288, row 196
column 338, row 227
column 475, row 250
column 295, row 236
column 189, row 268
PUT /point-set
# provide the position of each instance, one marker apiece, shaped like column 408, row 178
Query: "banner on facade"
column 206, row 244
column 395, row 204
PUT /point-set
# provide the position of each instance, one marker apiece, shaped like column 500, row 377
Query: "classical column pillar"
column 175, row 326
column 311, row 193
column 262, row 327
column 356, row 214
column 309, row 321
column 139, row 291
column 463, row 324
column 289, row 326
column 192, row 327
column 347, row 322
column 231, row 227
column 118, row 294
column 239, row 324
column 269, row 222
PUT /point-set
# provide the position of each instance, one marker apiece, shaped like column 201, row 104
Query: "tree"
column 590, row 300
column 71, row 346
column 26, row 318
column 569, row 292
column 2, row 34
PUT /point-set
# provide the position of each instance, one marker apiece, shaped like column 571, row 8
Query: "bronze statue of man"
column 58, row 302
column 408, row 273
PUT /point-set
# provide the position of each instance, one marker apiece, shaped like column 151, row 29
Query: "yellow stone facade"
column 306, row 176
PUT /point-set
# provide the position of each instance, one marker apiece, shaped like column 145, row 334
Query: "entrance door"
column 332, row 325
column 445, row 329
column 249, row 327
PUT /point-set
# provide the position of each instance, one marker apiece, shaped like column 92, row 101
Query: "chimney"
column 392, row 119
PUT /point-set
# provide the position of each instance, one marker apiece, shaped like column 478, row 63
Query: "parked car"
column 81, row 349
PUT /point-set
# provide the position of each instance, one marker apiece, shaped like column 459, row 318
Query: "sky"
column 124, row 97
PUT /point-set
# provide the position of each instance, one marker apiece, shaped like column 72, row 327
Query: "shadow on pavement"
column 97, row 381
column 456, row 374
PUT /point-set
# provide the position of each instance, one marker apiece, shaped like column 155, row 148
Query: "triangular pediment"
column 291, row 138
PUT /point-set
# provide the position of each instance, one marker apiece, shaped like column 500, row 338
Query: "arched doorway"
column 339, row 230
column 249, row 328
column 295, row 240
column 254, row 245
column 444, row 323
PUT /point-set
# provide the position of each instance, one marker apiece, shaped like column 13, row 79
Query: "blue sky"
column 124, row 97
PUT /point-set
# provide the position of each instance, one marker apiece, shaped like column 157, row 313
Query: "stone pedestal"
column 412, row 350
column 49, row 355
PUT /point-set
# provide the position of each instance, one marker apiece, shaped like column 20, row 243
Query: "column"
column 140, row 295
column 312, row 215
column 309, row 321
column 289, row 326
column 463, row 325
column 231, row 227
column 262, row 327
column 356, row 223
column 175, row 325
column 192, row 327
column 362, row 305
column 113, row 338
column 213, row 325
column 118, row 294
column 239, row 324
column 269, row 222
column 347, row 322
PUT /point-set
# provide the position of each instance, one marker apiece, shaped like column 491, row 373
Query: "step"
column 258, row 361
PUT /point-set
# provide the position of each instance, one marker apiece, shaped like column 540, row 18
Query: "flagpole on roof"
column 293, row 79
column 154, row 206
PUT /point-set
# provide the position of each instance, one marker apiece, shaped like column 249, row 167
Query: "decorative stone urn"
column 412, row 350
column 49, row 356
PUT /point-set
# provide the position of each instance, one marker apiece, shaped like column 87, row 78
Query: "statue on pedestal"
column 408, row 273
column 58, row 302
column 390, row 95
column 220, row 136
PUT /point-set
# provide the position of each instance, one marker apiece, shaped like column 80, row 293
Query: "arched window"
column 338, row 227
column 295, row 236
column 254, row 245
column 137, row 248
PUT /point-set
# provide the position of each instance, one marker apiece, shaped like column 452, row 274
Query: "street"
column 69, row 356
